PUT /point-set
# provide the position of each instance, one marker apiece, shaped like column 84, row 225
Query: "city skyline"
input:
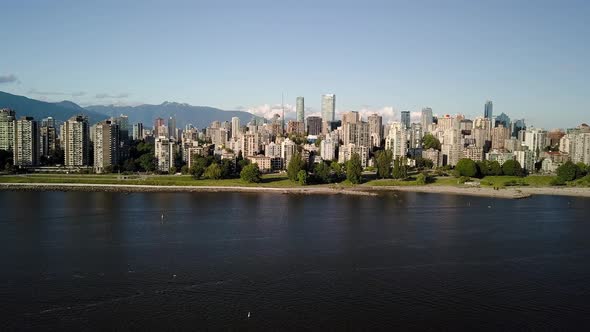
column 450, row 62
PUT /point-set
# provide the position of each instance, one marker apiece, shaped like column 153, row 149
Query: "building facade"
column 76, row 141
column 26, row 142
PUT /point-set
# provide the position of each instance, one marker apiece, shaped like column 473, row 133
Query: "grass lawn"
column 268, row 180
column 531, row 180
column 390, row 182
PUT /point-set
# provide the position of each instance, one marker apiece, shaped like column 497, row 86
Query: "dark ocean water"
column 105, row 261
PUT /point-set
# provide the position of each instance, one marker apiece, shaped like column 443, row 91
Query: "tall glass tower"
column 405, row 119
column 328, row 107
column 426, row 119
column 488, row 110
column 300, row 107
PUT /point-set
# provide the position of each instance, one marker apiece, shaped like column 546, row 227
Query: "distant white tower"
column 235, row 127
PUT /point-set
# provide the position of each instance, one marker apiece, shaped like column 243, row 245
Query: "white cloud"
column 267, row 111
column 389, row 113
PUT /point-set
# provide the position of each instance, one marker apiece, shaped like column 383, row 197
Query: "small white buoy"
column 489, row 206
column 248, row 314
column 174, row 276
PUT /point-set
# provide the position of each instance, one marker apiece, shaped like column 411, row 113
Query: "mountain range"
column 199, row 116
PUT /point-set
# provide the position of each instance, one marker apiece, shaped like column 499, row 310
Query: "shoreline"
column 506, row 193
column 129, row 188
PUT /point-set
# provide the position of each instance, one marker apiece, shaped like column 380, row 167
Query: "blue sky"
column 532, row 58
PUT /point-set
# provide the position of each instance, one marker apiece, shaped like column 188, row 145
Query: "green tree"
column 354, row 169
column 5, row 157
column 400, row 168
column 322, row 173
column 422, row 163
column 302, row 177
column 184, row 170
column 583, row 169
column 466, row 167
column 196, row 171
column 487, row 167
column 430, row 142
column 512, row 168
column 421, row 179
column 250, row 174
column 494, row 168
column 568, row 171
column 108, row 169
column 172, row 170
column 337, row 170
column 213, row 172
column 227, row 168
column 384, row 160
column 295, row 165
column 147, row 162
column 129, row 165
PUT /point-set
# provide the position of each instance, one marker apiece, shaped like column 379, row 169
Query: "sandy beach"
column 161, row 188
column 510, row 192
column 507, row 193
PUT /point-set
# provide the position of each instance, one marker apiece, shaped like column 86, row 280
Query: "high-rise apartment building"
column 48, row 136
column 535, row 140
column 164, row 151
column 76, row 141
column 499, row 136
column 314, row 125
column 328, row 149
column 375, row 130
column 138, row 131
column 397, row 140
column 300, row 108
column 288, row 149
column 157, row 124
column 106, row 145
column 26, row 142
column 7, row 122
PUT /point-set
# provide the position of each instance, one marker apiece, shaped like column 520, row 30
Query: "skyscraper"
column 48, row 135
column 138, row 131
column 314, row 125
column 7, row 118
column 157, row 124
column 488, row 110
column 106, row 145
column 164, row 151
column 123, row 124
column 235, row 127
column 426, row 119
column 375, row 129
column 26, row 142
column 405, row 119
column 76, row 141
column 172, row 127
column 328, row 107
column 300, row 106
column 502, row 119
